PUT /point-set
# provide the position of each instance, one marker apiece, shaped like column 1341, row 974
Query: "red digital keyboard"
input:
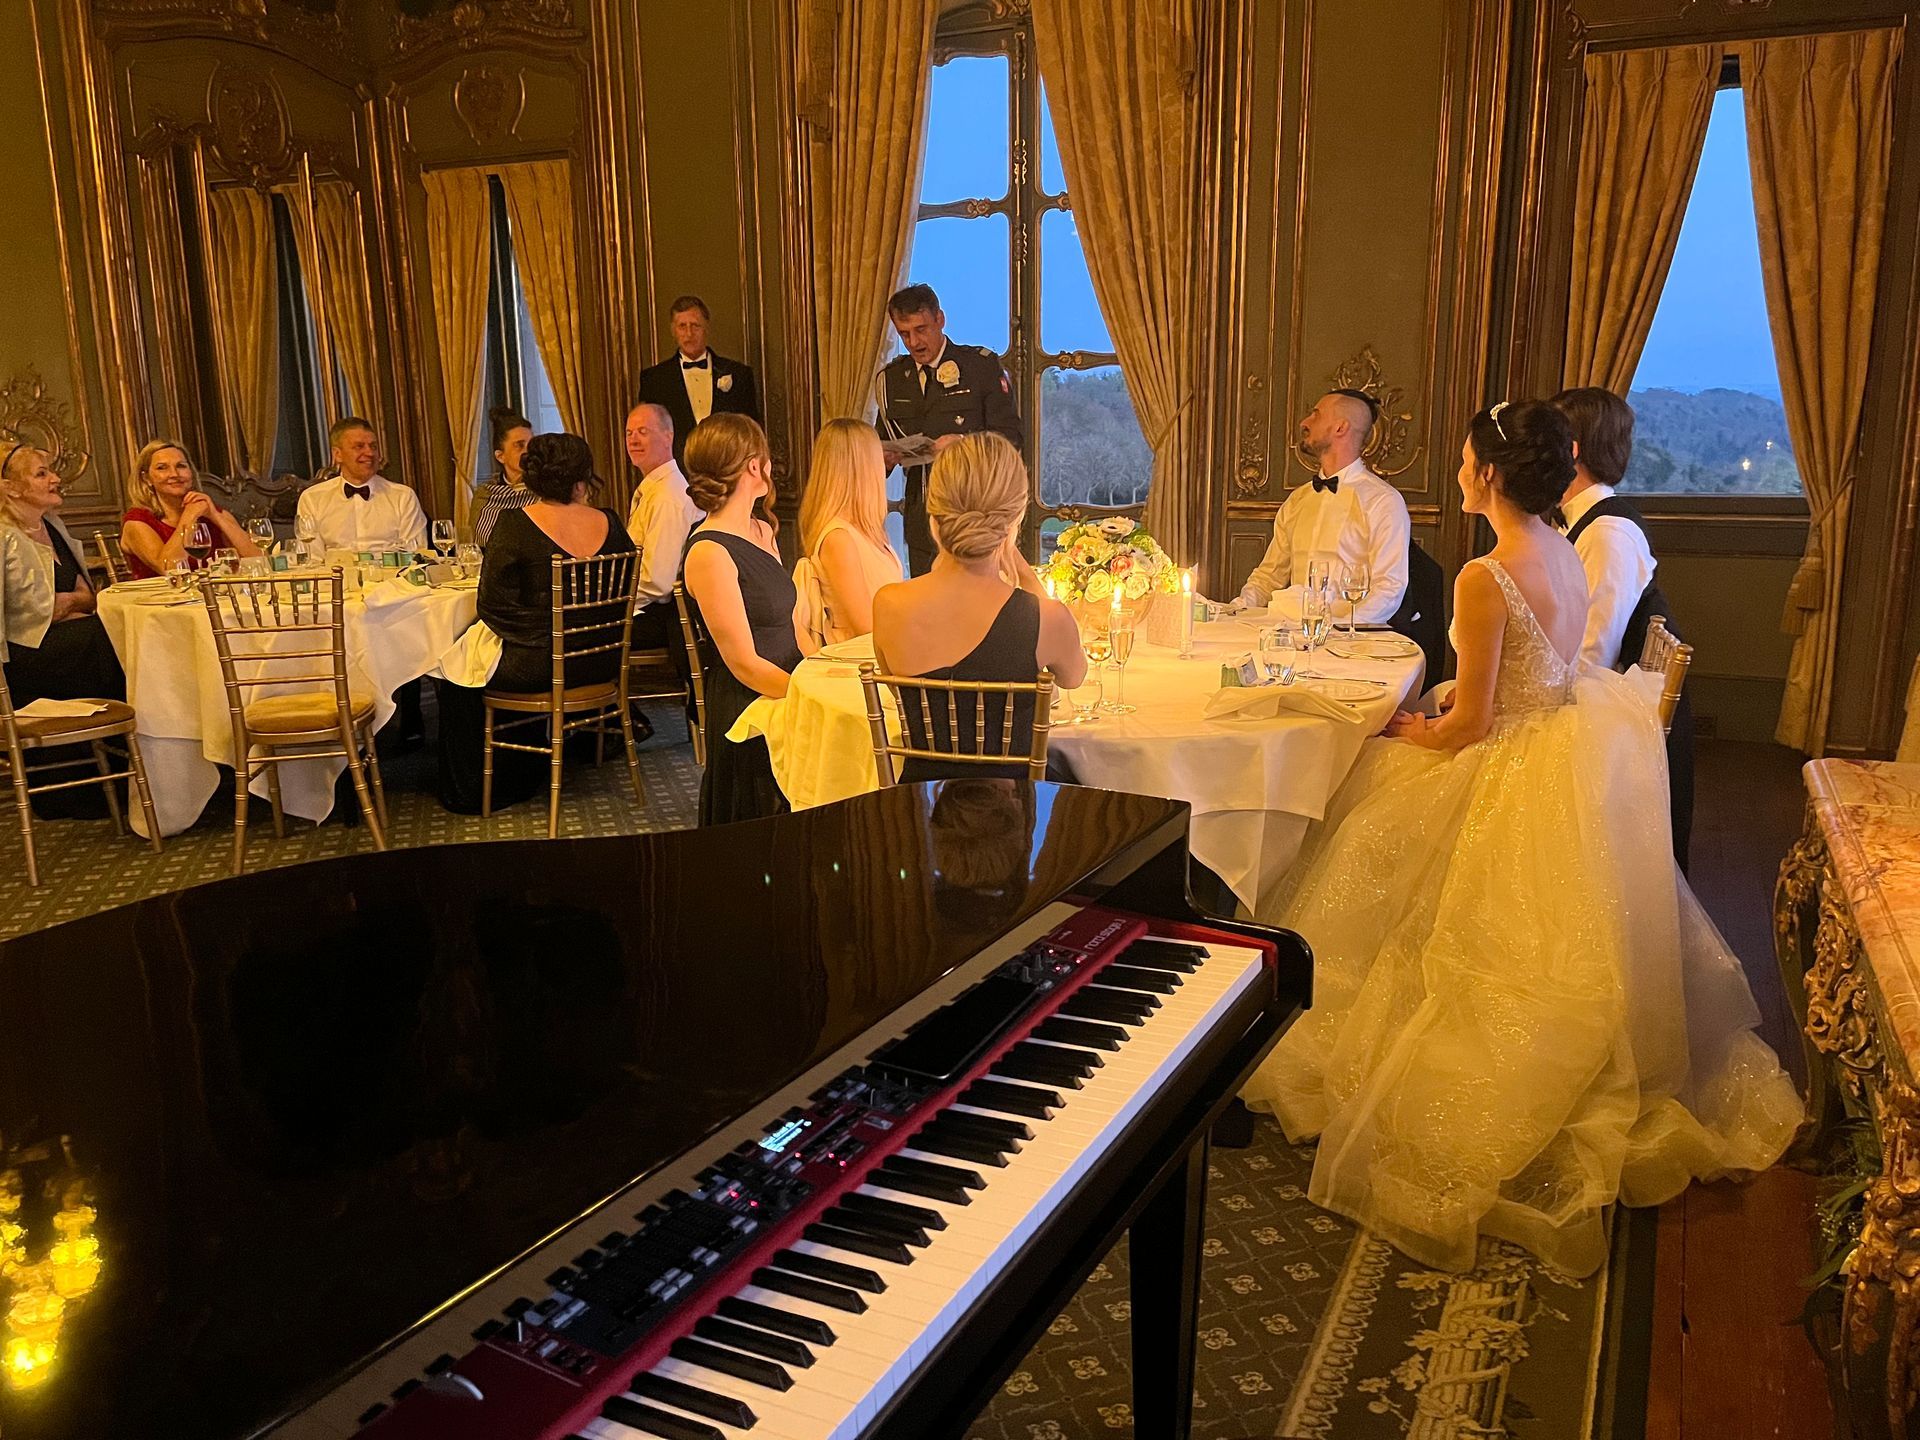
column 848, row 1259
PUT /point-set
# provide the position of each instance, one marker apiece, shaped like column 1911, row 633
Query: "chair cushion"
column 49, row 730
column 603, row 693
column 307, row 710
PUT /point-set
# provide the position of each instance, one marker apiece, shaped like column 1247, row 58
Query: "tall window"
column 300, row 442
column 516, row 376
column 1706, row 397
column 996, row 238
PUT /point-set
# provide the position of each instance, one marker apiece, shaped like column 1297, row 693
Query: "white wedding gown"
column 1520, row 1012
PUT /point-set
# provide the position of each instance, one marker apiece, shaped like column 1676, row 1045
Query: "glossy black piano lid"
column 312, row 1103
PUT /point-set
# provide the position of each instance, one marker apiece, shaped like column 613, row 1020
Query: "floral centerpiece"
column 1096, row 560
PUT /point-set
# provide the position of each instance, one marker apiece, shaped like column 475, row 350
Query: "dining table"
column 395, row 631
column 1257, row 767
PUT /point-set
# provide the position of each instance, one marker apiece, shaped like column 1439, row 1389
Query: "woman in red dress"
column 164, row 512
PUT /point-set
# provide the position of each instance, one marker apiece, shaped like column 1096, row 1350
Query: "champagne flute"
column 1320, row 576
column 443, row 539
column 1355, row 584
column 1314, row 624
column 1120, row 648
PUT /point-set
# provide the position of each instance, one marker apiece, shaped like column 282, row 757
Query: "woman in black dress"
column 55, row 645
column 516, row 603
column 978, row 614
column 744, row 607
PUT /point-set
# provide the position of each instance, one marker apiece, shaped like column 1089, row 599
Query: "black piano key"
column 911, row 1184
column 728, row 1362
column 1091, row 1007
column 985, row 1126
column 682, row 1396
column 1140, row 999
column 1132, row 977
column 894, row 1252
column 834, row 1272
column 650, row 1421
column 1083, row 1062
column 1041, row 1072
column 1166, row 954
column 937, row 1141
column 805, row 1287
column 898, row 1210
column 754, row 1342
column 1011, row 1099
column 1081, row 1032
column 934, row 1170
column 882, row 1227
column 777, row 1321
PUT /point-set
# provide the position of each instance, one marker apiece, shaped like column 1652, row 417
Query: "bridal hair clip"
column 1494, row 416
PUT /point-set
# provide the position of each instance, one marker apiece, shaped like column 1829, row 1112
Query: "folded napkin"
column 1269, row 702
column 860, row 647
column 472, row 659
column 59, row 709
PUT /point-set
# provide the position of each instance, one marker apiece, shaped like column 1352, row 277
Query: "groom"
column 1610, row 537
column 695, row 381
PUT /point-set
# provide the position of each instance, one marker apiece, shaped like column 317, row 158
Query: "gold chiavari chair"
column 990, row 747
column 111, row 559
column 695, row 678
column 24, row 735
column 1663, row 652
column 593, row 600
column 651, row 676
column 273, row 632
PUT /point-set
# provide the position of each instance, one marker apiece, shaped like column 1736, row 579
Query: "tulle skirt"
column 1520, row 1012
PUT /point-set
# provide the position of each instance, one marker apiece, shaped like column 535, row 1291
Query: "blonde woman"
column 963, row 620
column 53, row 644
column 165, row 513
column 845, row 556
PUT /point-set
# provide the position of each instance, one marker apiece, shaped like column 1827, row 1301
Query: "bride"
column 1520, row 1012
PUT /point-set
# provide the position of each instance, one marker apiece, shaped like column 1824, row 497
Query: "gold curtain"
column 246, row 317
column 865, row 172
column 1645, row 124
column 1119, row 82
column 336, row 282
column 540, row 212
column 459, row 246
column 1820, row 142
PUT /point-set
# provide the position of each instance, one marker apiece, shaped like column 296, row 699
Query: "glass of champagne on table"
column 1096, row 639
column 1120, row 650
column 1320, row 576
column 1315, row 623
column 1356, row 581
column 443, row 539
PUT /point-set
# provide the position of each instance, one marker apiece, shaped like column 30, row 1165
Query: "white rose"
column 1137, row 584
column 948, row 374
column 1099, row 586
column 723, row 384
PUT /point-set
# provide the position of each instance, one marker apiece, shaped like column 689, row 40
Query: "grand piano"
column 792, row 1129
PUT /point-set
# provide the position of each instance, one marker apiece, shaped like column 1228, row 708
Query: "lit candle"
column 27, row 1363
column 1186, row 613
column 75, row 1266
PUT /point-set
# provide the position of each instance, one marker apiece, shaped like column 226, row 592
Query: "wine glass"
column 1355, row 583
column 1315, row 623
column 226, row 560
column 1320, row 576
column 305, row 533
column 1097, row 641
column 260, row 531
column 1120, row 648
column 443, row 539
column 198, row 542
column 1279, row 654
column 469, row 558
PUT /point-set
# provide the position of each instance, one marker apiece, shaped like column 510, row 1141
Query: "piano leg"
column 1164, row 1257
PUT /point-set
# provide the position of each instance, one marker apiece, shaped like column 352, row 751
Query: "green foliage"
column 1840, row 1213
column 1718, row 442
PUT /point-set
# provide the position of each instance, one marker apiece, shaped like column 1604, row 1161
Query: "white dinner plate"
column 1374, row 647
column 1336, row 689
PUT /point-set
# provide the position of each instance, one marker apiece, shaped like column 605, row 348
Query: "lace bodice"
column 1532, row 674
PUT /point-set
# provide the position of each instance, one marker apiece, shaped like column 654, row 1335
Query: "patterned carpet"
column 1308, row 1329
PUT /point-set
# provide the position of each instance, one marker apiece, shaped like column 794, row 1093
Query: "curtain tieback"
column 1161, row 435
column 1807, row 593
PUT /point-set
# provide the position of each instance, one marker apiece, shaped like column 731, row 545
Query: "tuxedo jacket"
column 661, row 385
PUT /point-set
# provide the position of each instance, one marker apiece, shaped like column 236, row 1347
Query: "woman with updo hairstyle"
column 1521, row 1015
column 979, row 613
column 516, row 604
column 512, row 432
column 747, row 625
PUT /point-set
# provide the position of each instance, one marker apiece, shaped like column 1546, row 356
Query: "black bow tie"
column 1330, row 485
column 699, row 364
column 360, row 492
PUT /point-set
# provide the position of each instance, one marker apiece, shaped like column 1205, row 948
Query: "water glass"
column 1120, row 650
column 1315, row 622
column 1356, row 582
column 226, row 560
column 443, row 538
column 1097, row 641
column 1279, row 654
column 180, row 574
column 468, row 556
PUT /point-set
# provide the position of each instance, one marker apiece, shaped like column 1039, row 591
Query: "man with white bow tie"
column 1344, row 516
column 696, row 381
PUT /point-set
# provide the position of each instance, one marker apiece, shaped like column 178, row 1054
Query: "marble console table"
column 1847, row 927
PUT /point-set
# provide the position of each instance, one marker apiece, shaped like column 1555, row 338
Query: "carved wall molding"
column 1390, row 449
column 310, row 30
column 489, row 100
column 251, row 130
column 485, row 25
column 1883, row 1273
column 29, row 413
column 1250, row 469
column 1839, row 1000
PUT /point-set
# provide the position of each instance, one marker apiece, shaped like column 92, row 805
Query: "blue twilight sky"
column 1710, row 330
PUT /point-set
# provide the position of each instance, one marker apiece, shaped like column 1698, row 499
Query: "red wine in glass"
column 198, row 543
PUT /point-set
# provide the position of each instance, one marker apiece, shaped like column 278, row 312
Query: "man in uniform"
column 939, row 390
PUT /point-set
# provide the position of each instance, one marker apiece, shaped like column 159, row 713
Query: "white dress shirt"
column 1364, row 520
column 390, row 515
column 662, row 517
column 699, row 384
column 1619, row 565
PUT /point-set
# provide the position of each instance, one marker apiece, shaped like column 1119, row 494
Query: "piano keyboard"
column 812, row 1273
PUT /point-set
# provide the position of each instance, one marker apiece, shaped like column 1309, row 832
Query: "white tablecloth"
column 1254, row 785
column 180, row 701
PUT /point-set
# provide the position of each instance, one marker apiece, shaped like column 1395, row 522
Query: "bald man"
column 661, row 517
column 1346, row 513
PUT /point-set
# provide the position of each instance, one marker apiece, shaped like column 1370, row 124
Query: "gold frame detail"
column 28, row 413
column 1390, row 449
